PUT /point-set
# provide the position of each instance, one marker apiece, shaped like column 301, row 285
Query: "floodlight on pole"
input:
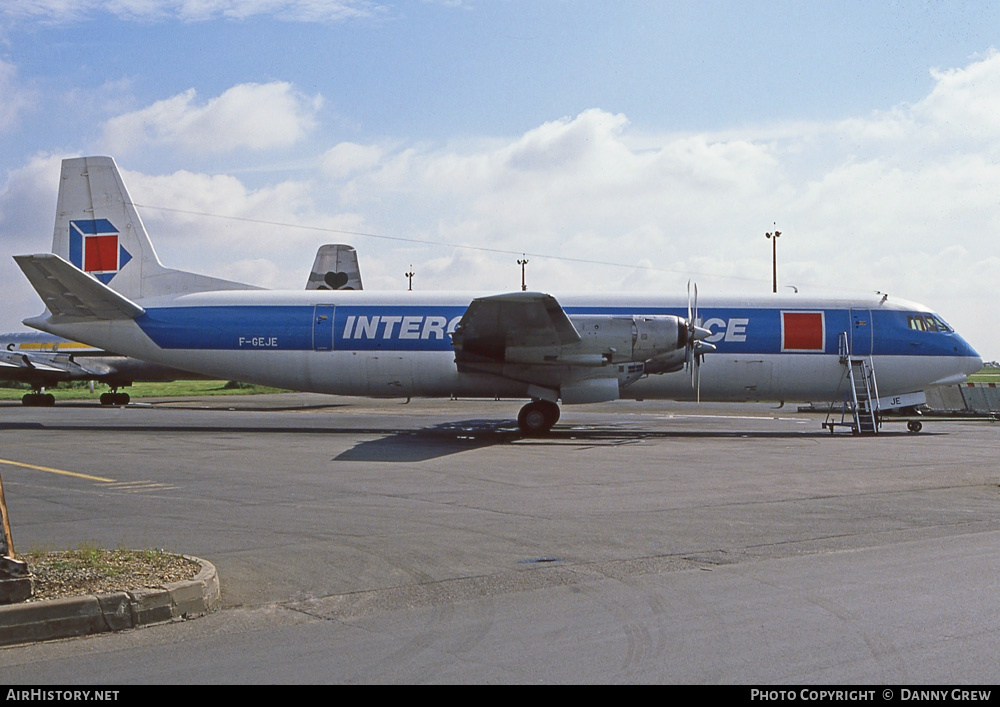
column 773, row 237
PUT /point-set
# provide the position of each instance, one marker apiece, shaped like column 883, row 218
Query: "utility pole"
column 522, row 263
column 409, row 276
column 773, row 237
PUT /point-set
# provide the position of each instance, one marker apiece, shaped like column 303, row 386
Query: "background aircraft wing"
column 24, row 362
column 64, row 364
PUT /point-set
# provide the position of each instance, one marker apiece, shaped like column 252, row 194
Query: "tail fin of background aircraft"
column 335, row 268
column 99, row 231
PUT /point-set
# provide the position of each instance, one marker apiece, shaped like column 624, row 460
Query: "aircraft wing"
column 494, row 327
column 528, row 337
column 69, row 292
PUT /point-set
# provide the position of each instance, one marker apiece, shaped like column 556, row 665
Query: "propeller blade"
column 689, row 303
column 696, row 348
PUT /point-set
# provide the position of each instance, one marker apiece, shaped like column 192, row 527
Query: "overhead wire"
column 465, row 246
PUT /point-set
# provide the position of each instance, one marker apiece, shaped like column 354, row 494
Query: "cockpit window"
column 927, row 322
column 941, row 324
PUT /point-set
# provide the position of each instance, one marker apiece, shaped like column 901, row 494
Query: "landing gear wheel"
column 914, row 425
column 38, row 400
column 537, row 417
column 115, row 398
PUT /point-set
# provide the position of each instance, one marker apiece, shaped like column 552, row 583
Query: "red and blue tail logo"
column 94, row 248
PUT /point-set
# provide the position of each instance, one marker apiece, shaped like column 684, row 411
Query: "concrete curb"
column 117, row 611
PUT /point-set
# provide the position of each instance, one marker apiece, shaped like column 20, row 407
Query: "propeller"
column 696, row 347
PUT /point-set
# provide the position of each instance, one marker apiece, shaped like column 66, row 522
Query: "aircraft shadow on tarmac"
column 426, row 443
column 468, row 435
column 433, row 442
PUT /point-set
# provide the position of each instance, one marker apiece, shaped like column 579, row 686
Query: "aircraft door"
column 323, row 327
column 862, row 332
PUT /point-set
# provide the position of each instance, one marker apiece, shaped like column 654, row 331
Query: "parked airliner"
column 103, row 284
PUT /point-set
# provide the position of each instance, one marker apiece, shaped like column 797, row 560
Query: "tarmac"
column 69, row 617
column 382, row 542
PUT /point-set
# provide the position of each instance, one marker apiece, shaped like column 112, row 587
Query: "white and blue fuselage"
column 398, row 344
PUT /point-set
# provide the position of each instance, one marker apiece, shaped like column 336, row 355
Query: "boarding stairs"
column 860, row 409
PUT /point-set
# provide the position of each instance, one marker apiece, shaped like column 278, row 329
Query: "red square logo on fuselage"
column 803, row 331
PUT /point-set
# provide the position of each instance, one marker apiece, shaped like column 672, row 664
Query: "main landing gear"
column 537, row 417
column 115, row 398
column 38, row 400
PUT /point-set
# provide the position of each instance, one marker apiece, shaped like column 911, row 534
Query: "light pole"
column 522, row 263
column 774, row 259
column 409, row 276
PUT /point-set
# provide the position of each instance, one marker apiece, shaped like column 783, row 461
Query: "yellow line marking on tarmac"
column 61, row 472
column 140, row 486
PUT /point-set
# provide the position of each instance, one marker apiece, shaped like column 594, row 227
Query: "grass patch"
column 91, row 569
column 986, row 375
column 170, row 389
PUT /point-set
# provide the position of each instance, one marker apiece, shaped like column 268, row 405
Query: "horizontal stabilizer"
column 69, row 292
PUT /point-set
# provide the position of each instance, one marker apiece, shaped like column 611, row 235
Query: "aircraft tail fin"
column 335, row 268
column 99, row 231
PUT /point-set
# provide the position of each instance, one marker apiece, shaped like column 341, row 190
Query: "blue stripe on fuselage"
column 285, row 328
column 427, row 328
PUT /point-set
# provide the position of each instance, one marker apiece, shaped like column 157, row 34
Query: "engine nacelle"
column 656, row 335
column 621, row 339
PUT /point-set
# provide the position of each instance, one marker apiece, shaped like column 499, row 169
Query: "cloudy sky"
column 615, row 145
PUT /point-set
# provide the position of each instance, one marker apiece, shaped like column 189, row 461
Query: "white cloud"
column 902, row 201
column 15, row 98
column 965, row 102
column 27, row 212
column 248, row 116
column 214, row 224
column 348, row 158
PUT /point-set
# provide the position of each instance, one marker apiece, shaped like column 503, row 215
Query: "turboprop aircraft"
column 103, row 284
column 43, row 360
